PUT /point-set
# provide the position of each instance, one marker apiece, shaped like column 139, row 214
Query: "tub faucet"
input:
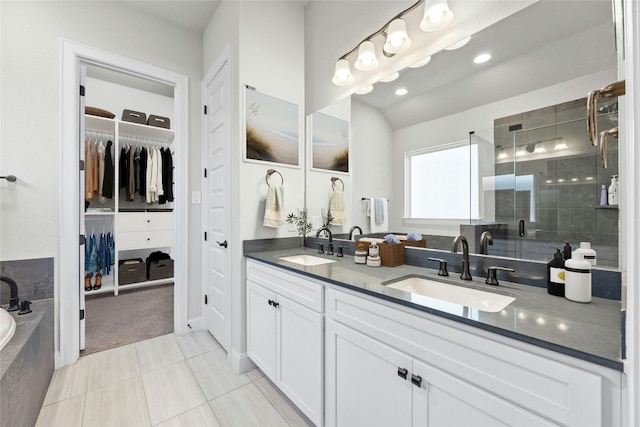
column 354, row 229
column 485, row 239
column 14, row 302
column 330, row 245
column 465, row 275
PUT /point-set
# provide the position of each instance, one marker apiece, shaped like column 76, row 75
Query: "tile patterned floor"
column 171, row 380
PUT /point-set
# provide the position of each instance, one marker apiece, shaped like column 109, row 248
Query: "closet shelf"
column 99, row 213
column 147, row 283
column 135, row 130
column 105, row 288
column 100, row 124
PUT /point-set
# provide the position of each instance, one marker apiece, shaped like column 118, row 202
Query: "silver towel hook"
column 333, row 182
column 10, row 178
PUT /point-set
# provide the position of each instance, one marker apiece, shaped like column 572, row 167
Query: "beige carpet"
column 134, row 315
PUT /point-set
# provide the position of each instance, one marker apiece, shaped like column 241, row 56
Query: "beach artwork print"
column 271, row 129
column 329, row 143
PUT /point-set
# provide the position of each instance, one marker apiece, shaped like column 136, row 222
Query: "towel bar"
column 271, row 172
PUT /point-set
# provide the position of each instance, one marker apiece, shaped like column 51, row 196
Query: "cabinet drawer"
column 144, row 239
column 145, row 221
column 293, row 286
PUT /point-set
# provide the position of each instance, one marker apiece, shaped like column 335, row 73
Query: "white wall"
column 372, row 160
column 266, row 42
column 30, row 142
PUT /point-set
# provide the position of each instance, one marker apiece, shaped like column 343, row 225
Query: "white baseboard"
column 196, row 324
column 240, row 362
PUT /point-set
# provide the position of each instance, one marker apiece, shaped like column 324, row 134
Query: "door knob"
column 222, row 244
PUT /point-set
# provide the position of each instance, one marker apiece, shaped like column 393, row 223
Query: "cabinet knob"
column 148, row 220
column 402, row 373
column 416, row 380
column 148, row 239
column 276, row 304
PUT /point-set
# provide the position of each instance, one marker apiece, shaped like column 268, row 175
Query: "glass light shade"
column 342, row 76
column 365, row 90
column 459, row 44
column 502, row 154
column 366, row 56
column 390, row 77
column 437, row 15
column 540, row 148
column 401, row 92
column 397, row 38
column 520, row 151
column 421, row 63
column 482, row 58
column 560, row 145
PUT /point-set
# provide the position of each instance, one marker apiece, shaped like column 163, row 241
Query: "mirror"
column 545, row 60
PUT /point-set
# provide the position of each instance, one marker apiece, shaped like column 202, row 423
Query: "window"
column 439, row 182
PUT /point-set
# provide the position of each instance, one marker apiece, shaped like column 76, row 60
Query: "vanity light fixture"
column 390, row 77
column 421, row 63
column 458, row 45
column 365, row 90
column 482, row 58
column 401, row 92
column 367, row 59
column 549, row 181
column 560, row 145
column 521, row 151
column 397, row 38
column 589, row 178
column 342, row 76
column 540, row 149
column 502, row 154
column 437, row 15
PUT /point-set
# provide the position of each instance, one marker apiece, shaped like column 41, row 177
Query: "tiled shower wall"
column 567, row 185
column 34, row 278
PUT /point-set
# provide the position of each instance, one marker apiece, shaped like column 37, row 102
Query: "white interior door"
column 82, row 231
column 216, row 201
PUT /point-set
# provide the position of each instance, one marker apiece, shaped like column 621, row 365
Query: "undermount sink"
column 307, row 260
column 432, row 289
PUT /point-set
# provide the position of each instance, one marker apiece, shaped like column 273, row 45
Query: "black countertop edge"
column 608, row 363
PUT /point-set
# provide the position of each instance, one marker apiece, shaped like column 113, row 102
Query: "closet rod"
column 143, row 140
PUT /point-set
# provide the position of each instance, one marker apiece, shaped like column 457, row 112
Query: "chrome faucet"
column 465, row 275
column 330, row 245
column 14, row 302
column 354, row 229
column 485, row 239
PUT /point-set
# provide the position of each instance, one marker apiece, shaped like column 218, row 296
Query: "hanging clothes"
column 159, row 184
column 130, row 190
column 109, row 172
column 167, row 176
column 143, row 173
column 151, row 176
column 91, row 266
column 136, row 171
column 101, row 159
column 122, row 165
column 96, row 170
column 88, row 173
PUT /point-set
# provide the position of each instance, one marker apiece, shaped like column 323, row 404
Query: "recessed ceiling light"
column 482, row 58
column 458, row 45
column 390, row 77
column 365, row 90
column 402, row 91
column 420, row 63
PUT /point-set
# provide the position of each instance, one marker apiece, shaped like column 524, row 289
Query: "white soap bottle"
column 577, row 279
column 613, row 191
column 588, row 253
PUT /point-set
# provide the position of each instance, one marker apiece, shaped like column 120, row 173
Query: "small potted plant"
column 303, row 226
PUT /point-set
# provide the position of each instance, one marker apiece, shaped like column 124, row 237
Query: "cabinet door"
column 440, row 399
column 261, row 328
column 365, row 384
column 299, row 356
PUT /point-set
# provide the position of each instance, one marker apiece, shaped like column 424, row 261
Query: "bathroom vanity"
column 347, row 349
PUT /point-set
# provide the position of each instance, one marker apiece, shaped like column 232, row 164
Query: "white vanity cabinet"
column 455, row 375
column 285, row 334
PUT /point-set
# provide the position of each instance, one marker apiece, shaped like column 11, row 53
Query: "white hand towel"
column 337, row 208
column 379, row 218
column 274, row 207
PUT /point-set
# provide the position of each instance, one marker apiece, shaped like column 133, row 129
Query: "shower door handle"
column 521, row 228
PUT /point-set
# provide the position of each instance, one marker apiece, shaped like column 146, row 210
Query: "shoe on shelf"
column 87, row 282
column 98, row 283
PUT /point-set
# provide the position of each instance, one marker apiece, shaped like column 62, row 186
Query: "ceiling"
column 192, row 14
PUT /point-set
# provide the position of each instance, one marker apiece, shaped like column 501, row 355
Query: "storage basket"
column 134, row 117
column 159, row 121
column 417, row 243
column 131, row 272
column 161, row 269
column 391, row 255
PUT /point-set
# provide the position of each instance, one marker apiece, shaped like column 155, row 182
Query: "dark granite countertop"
column 591, row 332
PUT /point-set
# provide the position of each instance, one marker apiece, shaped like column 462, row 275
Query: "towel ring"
column 333, row 182
column 271, row 172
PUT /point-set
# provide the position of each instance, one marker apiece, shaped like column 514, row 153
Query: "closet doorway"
column 139, row 227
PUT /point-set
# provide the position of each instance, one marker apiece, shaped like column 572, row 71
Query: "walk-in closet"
column 127, row 209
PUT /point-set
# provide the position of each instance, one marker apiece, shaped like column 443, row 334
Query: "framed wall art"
column 271, row 130
column 329, row 143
